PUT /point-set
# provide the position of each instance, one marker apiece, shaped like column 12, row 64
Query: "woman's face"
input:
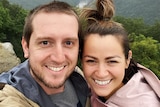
column 104, row 64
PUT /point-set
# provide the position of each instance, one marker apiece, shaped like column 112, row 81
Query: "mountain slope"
column 29, row 4
column 147, row 9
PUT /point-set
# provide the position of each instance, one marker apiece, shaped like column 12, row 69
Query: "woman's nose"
column 102, row 70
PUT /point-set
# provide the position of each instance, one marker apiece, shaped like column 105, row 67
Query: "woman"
column 114, row 78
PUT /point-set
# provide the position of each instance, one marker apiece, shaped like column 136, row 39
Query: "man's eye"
column 68, row 42
column 44, row 42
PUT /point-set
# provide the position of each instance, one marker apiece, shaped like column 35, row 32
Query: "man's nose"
column 58, row 54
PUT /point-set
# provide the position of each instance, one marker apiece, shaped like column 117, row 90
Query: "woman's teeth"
column 102, row 82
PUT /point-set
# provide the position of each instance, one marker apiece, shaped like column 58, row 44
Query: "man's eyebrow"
column 42, row 38
column 72, row 38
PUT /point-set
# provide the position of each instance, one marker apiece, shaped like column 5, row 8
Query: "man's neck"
column 51, row 91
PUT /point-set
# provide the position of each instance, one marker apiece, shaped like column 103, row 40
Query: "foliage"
column 146, row 51
column 11, row 25
column 133, row 25
column 4, row 21
column 154, row 31
column 137, row 26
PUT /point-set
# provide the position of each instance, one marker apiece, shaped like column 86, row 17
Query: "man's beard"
column 41, row 79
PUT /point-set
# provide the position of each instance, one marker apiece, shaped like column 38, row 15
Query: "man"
column 51, row 43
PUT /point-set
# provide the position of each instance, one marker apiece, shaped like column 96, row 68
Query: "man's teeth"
column 56, row 69
column 102, row 82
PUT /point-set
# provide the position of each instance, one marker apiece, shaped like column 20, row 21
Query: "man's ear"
column 25, row 47
column 129, row 58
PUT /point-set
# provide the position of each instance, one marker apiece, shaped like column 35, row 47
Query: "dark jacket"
column 20, row 78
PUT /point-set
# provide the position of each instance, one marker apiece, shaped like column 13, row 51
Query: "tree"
column 146, row 51
column 154, row 31
column 133, row 25
column 137, row 26
column 5, row 22
column 13, row 21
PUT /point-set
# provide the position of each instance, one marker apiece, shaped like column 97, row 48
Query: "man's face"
column 53, row 49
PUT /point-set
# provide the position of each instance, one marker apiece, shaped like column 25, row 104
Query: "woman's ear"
column 25, row 47
column 129, row 58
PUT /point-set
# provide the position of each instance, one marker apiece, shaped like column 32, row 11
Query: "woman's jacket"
column 142, row 90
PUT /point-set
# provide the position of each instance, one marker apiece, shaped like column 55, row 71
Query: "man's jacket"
column 11, row 97
column 20, row 78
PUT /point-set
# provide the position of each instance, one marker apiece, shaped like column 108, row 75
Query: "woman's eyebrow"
column 111, row 57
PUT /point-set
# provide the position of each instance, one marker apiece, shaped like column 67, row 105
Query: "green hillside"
column 146, row 9
column 29, row 4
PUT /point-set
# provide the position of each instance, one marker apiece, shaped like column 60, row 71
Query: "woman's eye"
column 90, row 61
column 112, row 61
